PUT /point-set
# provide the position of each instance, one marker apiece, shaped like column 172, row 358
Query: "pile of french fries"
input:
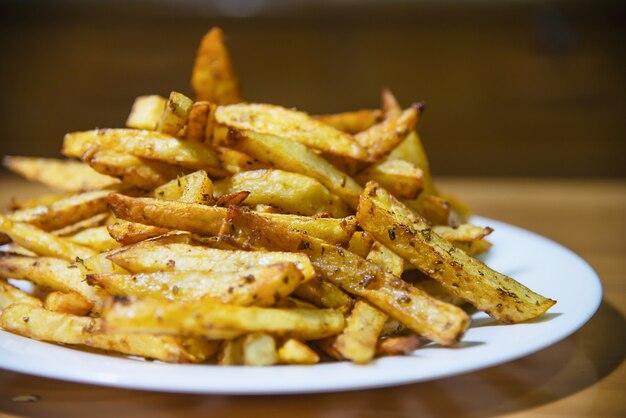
column 211, row 230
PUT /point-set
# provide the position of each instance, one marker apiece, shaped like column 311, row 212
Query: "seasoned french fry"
column 64, row 175
column 290, row 124
column 97, row 238
column 200, row 123
column 232, row 199
column 386, row 259
column 290, row 192
column 46, row 200
column 207, row 220
column 206, row 319
column 53, row 273
column 421, row 313
column 259, row 286
column 231, row 353
column 235, row 161
column 213, row 77
column 473, row 248
column 381, row 138
column 436, row 290
column 41, row 324
column 10, row 295
column 169, row 254
column 259, row 350
column 70, row 303
column 359, row 338
column 361, row 243
column 75, row 228
column 324, row 294
column 146, row 144
column 408, row 235
column 127, row 233
column 462, row 233
column 294, row 351
column 174, row 118
column 400, row 177
column 352, row 122
column 397, row 345
column 295, row 157
column 41, row 242
column 146, row 112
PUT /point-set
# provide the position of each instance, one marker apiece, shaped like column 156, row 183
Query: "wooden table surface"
column 581, row 376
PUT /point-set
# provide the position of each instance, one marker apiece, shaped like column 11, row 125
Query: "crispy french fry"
column 231, row 353
column 75, row 228
column 169, row 254
column 146, row 112
column 41, row 242
column 65, row 175
column 324, row 294
column 174, row 118
column 232, row 199
column 361, row 243
column 207, row 220
column 410, row 236
column 290, row 192
column 295, row 157
column 127, row 233
column 400, row 177
column 359, row 338
column 290, row 124
column 53, row 273
column 386, row 259
column 46, row 200
column 381, row 138
column 235, row 161
column 200, row 123
column 397, row 345
column 70, row 303
column 213, row 77
column 259, row 350
column 421, row 313
column 140, row 172
column 206, row 319
column 97, row 238
column 41, row 324
column 462, row 233
column 294, row 351
column 146, row 144
column 436, row 290
column 352, row 122
column 10, row 295
column 259, row 286
column 473, row 248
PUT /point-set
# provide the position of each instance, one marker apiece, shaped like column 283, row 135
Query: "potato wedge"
column 259, row 286
column 70, row 303
column 410, row 236
column 289, row 124
column 53, row 273
column 381, row 138
column 146, row 144
column 146, row 112
column 64, row 175
column 41, row 324
column 213, row 77
column 174, row 118
column 10, row 295
column 207, row 220
column 206, row 319
column 436, row 320
column 352, row 122
column 297, row 158
column 289, row 192
column 400, row 177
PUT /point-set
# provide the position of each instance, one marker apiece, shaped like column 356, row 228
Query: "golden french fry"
column 200, row 123
column 352, row 122
column 53, row 273
column 10, row 295
column 231, row 353
column 410, row 236
column 259, row 350
column 389, row 104
column 381, row 138
column 127, row 233
column 421, row 313
column 232, row 199
column 259, row 286
column 41, row 324
column 400, row 177
column 397, row 345
column 75, row 228
column 65, row 175
column 473, row 248
column 295, row 157
column 462, row 233
column 146, row 144
column 294, row 351
column 174, row 118
column 146, row 112
column 289, row 124
column 324, row 294
column 386, row 259
column 45, row 199
column 235, row 161
column 358, row 340
column 97, row 238
column 436, row 290
column 289, row 192
column 69, row 303
column 213, row 77
column 207, row 319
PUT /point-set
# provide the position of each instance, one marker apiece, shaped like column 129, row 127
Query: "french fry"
column 200, row 122
column 127, row 233
column 46, row 200
column 140, row 172
column 53, row 273
column 213, row 77
column 410, row 236
column 93, row 222
column 381, row 138
column 462, row 233
column 324, row 294
column 206, row 319
column 289, row 124
column 70, row 303
column 10, row 295
column 352, row 122
column 294, row 351
column 259, row 350
column 400, row 177
column 389, row 104
column 436, row 290
column 259, row 286
column 97, row 238
column 231, row 353
column 290, row 192
column 473, row 248
column 386, row 259
column 421, row 313
column 232, row 199
column 235, row 161
column 359, row 338
column 146, row 112
column 146, row 144
column 397, row 345
column 169, row 254
column 41, row 324
column 361, row 243
column 64, row 175
column 174, row 118
column 41, row 242
column 295, row 157
column 207, row 220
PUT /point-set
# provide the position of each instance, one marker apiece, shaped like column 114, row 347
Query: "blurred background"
column 513, row 88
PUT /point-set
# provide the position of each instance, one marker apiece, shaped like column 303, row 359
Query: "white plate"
column 539, row 263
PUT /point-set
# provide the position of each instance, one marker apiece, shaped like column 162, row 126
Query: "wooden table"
column 582, row 376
